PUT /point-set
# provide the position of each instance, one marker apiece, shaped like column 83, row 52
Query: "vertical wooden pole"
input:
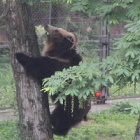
column 104, row 53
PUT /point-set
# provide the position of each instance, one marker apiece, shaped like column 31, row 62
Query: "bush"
column 126, row 107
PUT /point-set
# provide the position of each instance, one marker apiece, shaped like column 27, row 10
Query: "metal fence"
column 88, row 28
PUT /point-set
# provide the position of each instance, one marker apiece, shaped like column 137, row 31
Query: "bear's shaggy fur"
column 59, row 53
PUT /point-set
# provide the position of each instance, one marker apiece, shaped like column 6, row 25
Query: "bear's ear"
column 69, row 38
column 76, row 38
column 50, row 28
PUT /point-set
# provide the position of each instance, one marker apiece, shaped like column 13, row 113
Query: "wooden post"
column 104, row 53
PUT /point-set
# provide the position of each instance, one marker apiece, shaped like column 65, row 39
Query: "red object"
column 97, row 94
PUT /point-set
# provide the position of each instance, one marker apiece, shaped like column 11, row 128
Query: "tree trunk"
column 137, row 133
column 33, row 114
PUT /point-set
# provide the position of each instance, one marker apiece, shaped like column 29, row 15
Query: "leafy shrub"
column 84, row 80
column 126, row 107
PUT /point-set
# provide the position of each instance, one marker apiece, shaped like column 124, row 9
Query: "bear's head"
column 58, row 42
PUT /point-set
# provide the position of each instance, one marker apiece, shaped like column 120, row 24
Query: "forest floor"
column 9, row 114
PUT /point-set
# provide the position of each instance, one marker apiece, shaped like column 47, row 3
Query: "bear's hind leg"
column 60, row 121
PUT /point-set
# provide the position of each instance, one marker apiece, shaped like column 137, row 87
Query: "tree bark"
column 137, row 133
column 34, row 118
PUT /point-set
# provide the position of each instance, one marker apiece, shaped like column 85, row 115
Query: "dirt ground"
column 8, row 114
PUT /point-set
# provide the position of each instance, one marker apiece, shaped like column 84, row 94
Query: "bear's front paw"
column 22, row 58
column 19, row 55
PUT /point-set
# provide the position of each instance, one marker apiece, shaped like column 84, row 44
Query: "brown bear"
column 59, row 53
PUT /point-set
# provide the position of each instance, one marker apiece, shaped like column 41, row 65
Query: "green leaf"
column 47, row 89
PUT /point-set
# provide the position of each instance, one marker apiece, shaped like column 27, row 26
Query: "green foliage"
column 127, row 67
column 80, row 81
column 9, row 130
column 86, row 6
column 126, row 107
column 116, row 10
column 124, row 66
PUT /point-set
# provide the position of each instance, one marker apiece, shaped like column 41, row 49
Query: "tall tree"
column 33, row 106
